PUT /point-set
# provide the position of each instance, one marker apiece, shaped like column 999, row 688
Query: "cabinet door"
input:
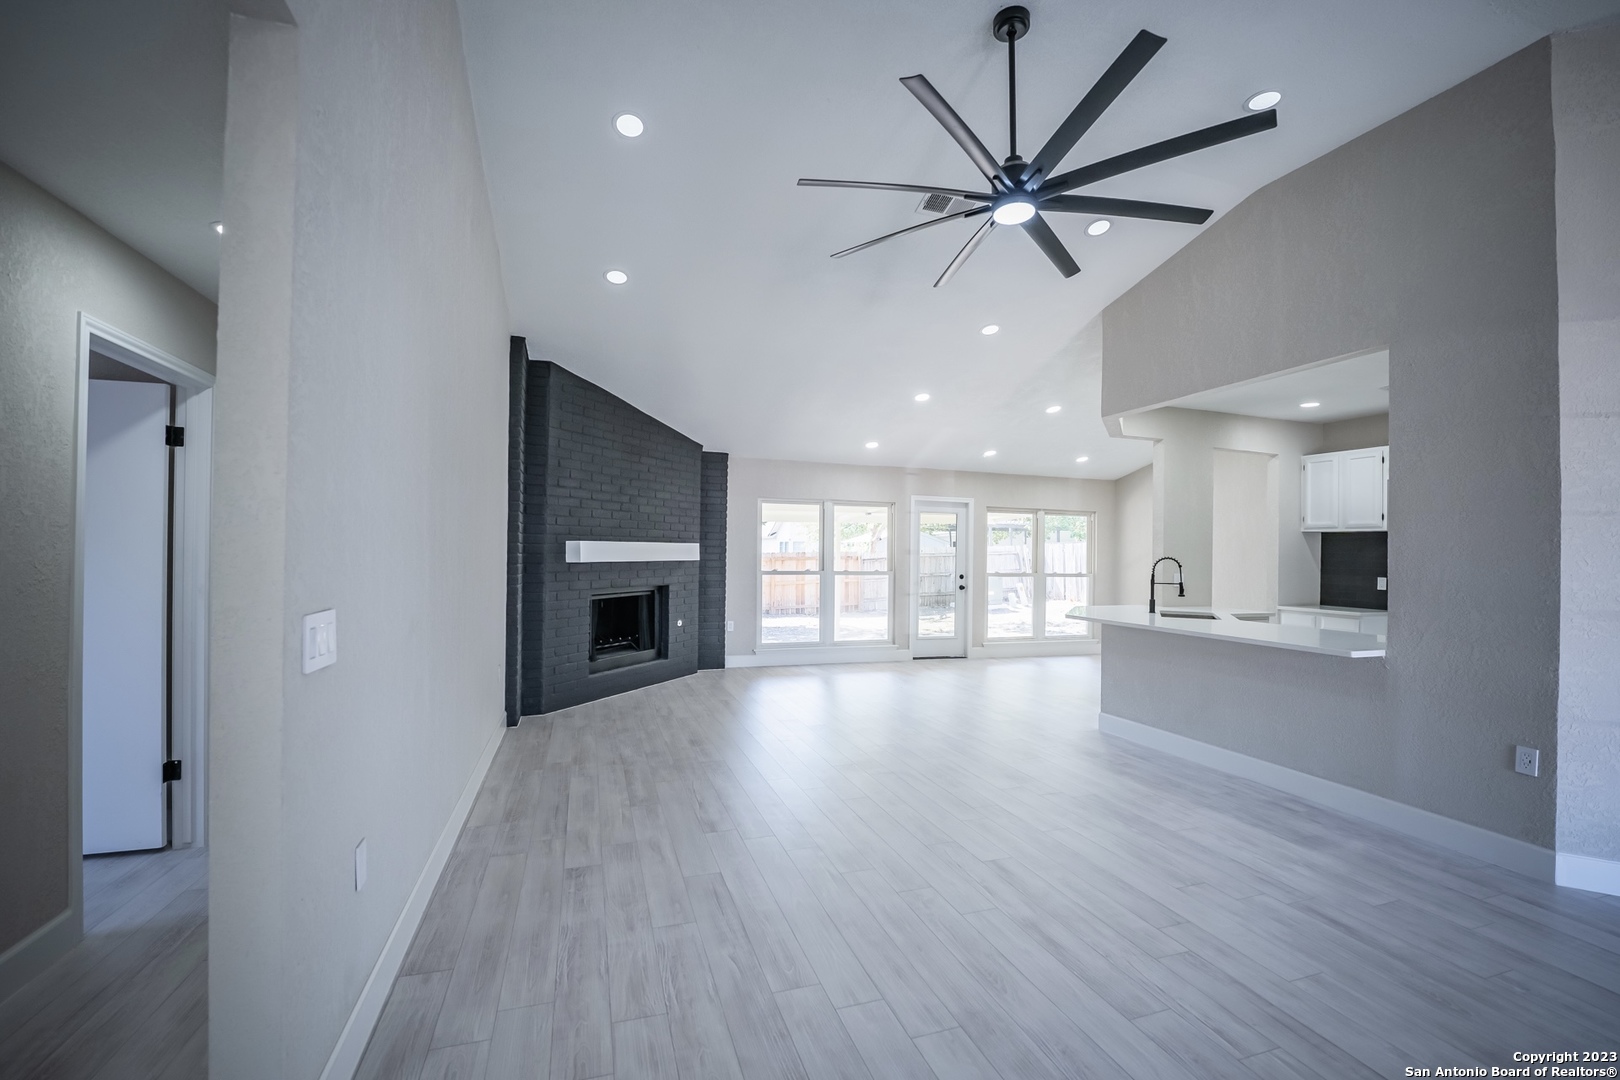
column 1350, row 624
column 1319, row 497
column 1361, row 478
column 1297, row 618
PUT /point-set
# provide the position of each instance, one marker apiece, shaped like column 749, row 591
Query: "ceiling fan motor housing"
column 1010, row 23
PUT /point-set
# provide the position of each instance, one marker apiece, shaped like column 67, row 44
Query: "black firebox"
column 627, row 628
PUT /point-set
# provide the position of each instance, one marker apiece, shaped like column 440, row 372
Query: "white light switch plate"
column 1383, row 584
column 360, row 865
column 318, row 642
column 731, row 625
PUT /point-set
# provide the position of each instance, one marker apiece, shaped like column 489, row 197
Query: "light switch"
column 1383, row 584
column 730, row 625
column 318, row 641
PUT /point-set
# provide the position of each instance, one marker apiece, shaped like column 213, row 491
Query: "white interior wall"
column 1243, row 537
column 361, row 464
column 1184, row 480
column 1133, row 547
column 752, row 479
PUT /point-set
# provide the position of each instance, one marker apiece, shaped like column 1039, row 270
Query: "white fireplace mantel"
column 594, row 551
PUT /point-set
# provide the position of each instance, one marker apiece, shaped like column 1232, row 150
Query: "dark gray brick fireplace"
column 586, row 465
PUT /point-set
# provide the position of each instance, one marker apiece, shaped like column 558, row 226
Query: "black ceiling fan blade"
column 967, row 249
column 956, row 127
column 1132, row 208
column 1047, row 240
column 1159, row 151
column 1125, row 67
column 911, row 229
column 921, row 189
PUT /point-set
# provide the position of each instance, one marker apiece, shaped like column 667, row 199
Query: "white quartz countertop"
column 1226, row 626
column 1318, row 609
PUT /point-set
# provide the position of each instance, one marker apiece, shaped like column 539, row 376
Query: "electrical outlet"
column 360, row 865
column 1383, row 584
column 1527, row 760
column 730, row 625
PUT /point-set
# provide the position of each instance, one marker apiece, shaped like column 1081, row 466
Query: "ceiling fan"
column 1020, row 190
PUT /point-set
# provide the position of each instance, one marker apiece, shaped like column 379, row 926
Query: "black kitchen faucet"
column 1153, row 583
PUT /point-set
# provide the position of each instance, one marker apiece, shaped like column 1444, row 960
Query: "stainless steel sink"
column 1189, row 615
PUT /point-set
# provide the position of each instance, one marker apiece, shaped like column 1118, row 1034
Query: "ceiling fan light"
column 1013, row 212
column 1265, row 99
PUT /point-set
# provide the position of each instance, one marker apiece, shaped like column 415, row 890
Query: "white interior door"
column 940, row 569
column 126, row 513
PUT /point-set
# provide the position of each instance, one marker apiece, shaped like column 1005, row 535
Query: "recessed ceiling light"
column 1310, row 404
column 920, row 397
column 871, row 446
column 1081, row 460
column 989, row 453
column 991, row 329
column 616, row 277
column 1265, row 99
column 629, row 125
column 1098, row 227
column 219, row 227
column 1014, row 212
column 1054, row 408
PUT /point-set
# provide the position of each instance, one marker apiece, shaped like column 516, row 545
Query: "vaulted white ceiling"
column 735, row 325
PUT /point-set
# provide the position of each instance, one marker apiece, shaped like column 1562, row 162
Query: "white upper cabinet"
column 1345, row 491
column 1319, row 502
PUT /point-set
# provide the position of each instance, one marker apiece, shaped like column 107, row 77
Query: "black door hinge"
column 174, row 436
column 171, row 771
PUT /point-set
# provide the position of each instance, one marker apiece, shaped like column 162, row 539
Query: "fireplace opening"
column 626, row 628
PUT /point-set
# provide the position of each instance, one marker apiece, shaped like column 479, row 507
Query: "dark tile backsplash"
column 1352, row 563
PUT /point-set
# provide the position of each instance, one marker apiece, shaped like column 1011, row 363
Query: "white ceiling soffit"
column 736, row 327
column 1341, row 389
column 118, row 109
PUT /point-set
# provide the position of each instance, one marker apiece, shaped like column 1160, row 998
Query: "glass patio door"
column 940, row 577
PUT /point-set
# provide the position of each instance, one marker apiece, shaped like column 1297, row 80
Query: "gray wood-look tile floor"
column 130, row 1001
column 937, row 869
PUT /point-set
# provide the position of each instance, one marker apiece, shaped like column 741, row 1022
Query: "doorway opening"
column 144, row 438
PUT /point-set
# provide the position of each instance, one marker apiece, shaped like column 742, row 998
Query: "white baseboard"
column 1459, row 836
column 875, row 654
column 351, row 1044
column 1589, row 873
column 38, row 951
column 1090, row 647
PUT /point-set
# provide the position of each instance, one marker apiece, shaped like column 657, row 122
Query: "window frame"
column 827, row 574
column 1038, row 574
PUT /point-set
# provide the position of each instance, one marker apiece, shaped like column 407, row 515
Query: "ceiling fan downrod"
column 1010, row 24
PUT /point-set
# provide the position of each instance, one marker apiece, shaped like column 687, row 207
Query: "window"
column 801, row 576
column 1038, row 570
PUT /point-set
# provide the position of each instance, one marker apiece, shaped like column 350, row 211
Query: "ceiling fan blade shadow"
column 1047, row 240
column 1159, row 151
column 911, row 229
column 1131, row 208
column 957, row 128
column 921, row 189
column 967, row 249
column 1125, row 67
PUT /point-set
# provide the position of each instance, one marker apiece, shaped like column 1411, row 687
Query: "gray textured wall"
column 1586, row 119
column 1134, row 551
column 1431, row 235
column 54, row 263
column 385, row 442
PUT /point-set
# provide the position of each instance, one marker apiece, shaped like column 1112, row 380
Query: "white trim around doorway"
column 194, row 411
